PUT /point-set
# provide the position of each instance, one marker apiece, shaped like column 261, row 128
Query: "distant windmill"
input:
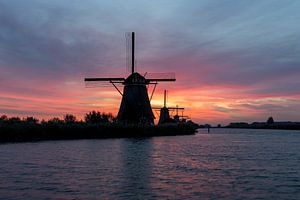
column 165, row 117
column 135, row 105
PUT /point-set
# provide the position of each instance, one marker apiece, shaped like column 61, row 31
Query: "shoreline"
column 14, row 133
column 252, row 128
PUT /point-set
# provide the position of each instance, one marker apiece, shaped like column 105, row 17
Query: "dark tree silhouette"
column 97, row 125
column 108, row 117
column 31, row 120
column 69, row 118
column 93, row 117
column 54, row 120
column 270, row 120
column 14, row 120
column 3, row 118
column 98, row 117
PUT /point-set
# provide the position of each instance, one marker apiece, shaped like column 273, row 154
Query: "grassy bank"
column 21, row 131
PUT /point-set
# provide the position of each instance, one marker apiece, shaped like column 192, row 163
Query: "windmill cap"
column 135, row 78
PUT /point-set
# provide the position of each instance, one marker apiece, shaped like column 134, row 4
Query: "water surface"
column 225, row 164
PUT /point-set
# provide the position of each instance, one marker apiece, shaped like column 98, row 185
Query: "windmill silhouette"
column 165, row 117
column 135, row 106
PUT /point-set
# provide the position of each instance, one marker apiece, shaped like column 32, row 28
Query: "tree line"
column 93, row 117
column 95, row 125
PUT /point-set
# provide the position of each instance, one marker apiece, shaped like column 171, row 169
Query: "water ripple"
column 226, row 164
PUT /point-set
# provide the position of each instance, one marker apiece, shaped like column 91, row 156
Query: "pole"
column 132, row 53
column 165, row 98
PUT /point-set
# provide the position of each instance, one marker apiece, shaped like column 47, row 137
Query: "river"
column 222, row 164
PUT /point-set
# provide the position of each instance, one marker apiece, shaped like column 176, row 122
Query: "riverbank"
column 263, row 125
column 24, row 132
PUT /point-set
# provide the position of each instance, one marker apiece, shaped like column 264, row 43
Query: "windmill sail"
column 169, row 76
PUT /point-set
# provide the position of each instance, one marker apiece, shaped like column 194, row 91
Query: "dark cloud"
column 48, row 41
column 225, row 110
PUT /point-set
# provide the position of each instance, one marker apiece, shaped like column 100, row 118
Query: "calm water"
column 225, row 164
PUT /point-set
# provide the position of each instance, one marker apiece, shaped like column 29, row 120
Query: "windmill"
column 135, row 105
column 165, row 116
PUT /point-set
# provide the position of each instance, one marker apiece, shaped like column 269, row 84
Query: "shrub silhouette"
column 270, row 120
column 69, row 118
column 3, row 118
column 31, row 120
column 54, row 120
column 95, row 117
column 96, row 125
column 14, row 120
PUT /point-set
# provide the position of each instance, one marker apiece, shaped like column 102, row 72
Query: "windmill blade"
column 102, row 82
column 156, row 108
column 156, row 77
column 175, row 108
column 97, row 84
column 170, row 108
column 185, row 116
column 104, row 79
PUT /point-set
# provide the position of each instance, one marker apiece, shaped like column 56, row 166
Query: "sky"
column 234, row 60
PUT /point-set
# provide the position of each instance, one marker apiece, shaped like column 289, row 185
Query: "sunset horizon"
column 140, row 99
column 233, row 62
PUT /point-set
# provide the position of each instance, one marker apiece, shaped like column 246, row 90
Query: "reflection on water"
column 136, row 168
column 225, row 164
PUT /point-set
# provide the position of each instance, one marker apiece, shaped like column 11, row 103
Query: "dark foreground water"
column 225, row 164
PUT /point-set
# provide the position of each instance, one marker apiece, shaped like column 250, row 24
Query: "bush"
column 270, row 120
column 69, row 118
column 31, row 120
column 95, row 117
column 3, row 118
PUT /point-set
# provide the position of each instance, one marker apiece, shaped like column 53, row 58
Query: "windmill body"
column 135, row 105
column 164, row 116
